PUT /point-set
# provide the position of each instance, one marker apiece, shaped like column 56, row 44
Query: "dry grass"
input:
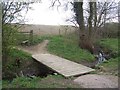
column 47, row 29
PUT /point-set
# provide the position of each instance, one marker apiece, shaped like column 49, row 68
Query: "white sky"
column 42, row 14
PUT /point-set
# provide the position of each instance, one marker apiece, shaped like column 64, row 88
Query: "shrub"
column 8, row 40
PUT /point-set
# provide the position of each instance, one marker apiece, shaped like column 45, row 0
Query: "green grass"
column 36, row 39
column 22, row 82
column 111, row 66
column 67, row 48
column 51, row 81
column 0, row 84
column 64, row 46
column 39, row 39
column 110, row 43
column 11, row 67
column 15, row 53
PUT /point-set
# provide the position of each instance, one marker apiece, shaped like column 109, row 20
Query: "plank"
column 63, row 66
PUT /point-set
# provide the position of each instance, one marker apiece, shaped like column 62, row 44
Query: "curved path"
column 36, row 49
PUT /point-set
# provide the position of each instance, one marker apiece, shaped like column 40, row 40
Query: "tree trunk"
column 90, row 19
column 95, row 16
column 78, row 9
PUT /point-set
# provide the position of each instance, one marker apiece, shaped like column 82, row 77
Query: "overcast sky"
column 41, row 13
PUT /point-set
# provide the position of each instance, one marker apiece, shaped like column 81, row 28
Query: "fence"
column 30, row 39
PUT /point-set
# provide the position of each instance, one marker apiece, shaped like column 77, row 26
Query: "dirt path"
column 97, row 81
column 86, row 81
column 36, row 49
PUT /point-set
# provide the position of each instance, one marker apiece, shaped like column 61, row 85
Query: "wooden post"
column 31, row 36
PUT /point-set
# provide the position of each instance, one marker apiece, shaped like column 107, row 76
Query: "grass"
column 11, row 67
column 110, row 43
column 0, row 84
column 111, row 66
column 63, row 46
column 39, row 39
column 67, row 48
column 51, row 81
column 21, row 82
column 36, row 39
column 15, row 53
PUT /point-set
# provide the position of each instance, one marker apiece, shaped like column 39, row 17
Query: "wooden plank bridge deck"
column 62, row 66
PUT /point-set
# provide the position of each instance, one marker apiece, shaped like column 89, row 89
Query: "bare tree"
column 90, row 18
column 106, row 12
column 12, row 11
column 103, row 12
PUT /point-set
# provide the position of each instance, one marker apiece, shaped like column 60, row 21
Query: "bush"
column 8, row 40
